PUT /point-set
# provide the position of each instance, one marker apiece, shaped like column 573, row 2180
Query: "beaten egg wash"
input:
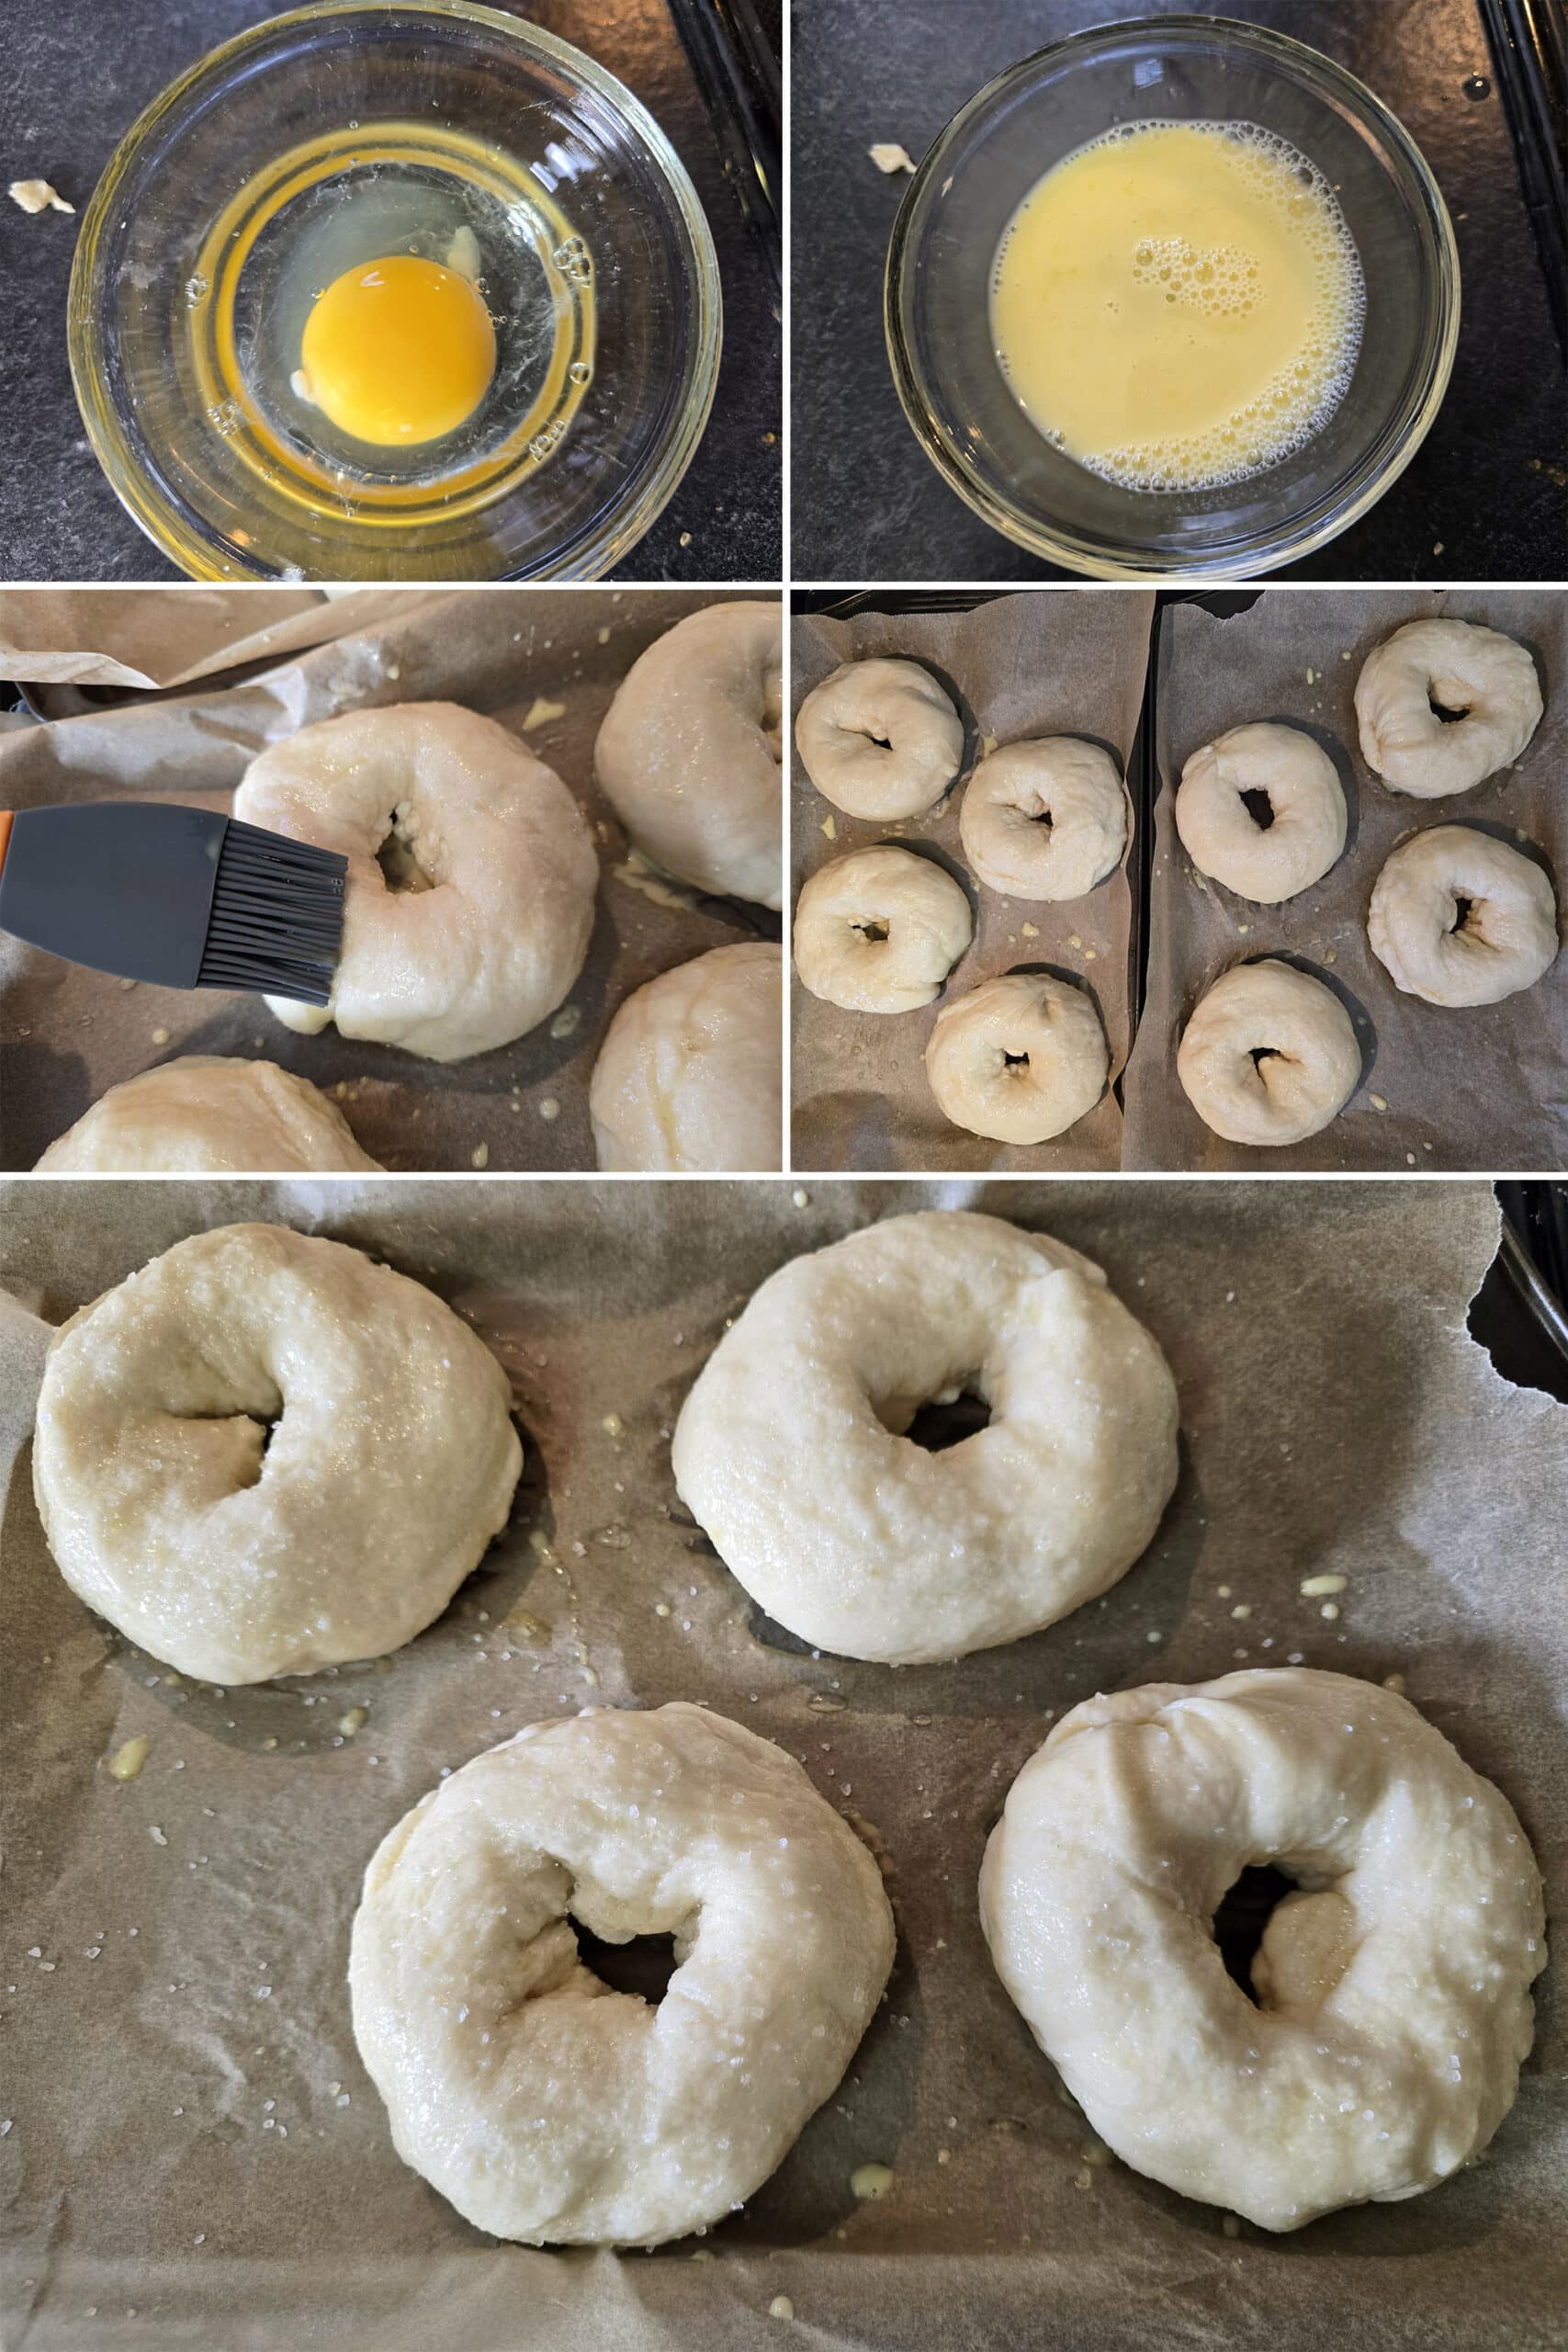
column 1178, row 306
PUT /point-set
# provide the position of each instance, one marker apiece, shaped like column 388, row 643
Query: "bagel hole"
column 1260, row 808
column 947, row 1420
column 1462, row 912
column 883, row 742
column 1042, row 817
column 259, row 1418
column 400, row 868
column 1261, row 1054
column 1243, row 1917
column 643, row 1966
column 1444, row 711
column 875, row 931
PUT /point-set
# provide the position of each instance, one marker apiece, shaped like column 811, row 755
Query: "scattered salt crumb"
column 779, row 2308
column 480, row 1158
column 1154, row 1637
column 159, row 1036
column 871, row 2181
column 541, row 710
column 37, row 196
column 1315, row 1588
column 1242, row 1608
column 831, row 829
column 801, row 1198
column 1032, row 931
column 603, row 637
column 685, row 538
column 549, row 1108
column 1330, row 1609
column 566, row 1021
column 1394, row 1682
column 355, row 1720
column 888, row 156
column 1378, row 1102
column 157, row 1835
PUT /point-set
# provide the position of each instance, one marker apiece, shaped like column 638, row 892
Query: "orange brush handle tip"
column 5, row 836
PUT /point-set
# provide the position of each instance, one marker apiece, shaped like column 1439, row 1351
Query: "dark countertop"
column 1486, row 498
column 76, row 74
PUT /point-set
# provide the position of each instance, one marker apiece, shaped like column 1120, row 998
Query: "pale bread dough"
column 690, row 1077
column 789, row 1449
column 880, row 739
column 1219, row 832
column 489, row 936
column 204, row 1115
column 1508, row 937
column 1270, row 1055
column 1044, row 820
column 690, row 753
column 1478, row 672
column 548, row 2108
column 1019, row 1059
column 232, row 1555
column 880, row 930
column 1392, row 1988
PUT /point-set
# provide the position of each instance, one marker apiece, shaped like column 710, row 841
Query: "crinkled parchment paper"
column 195, row 2162
column 1052, row 663
column 1479, row 1086
column 545, row 662
column 125, row 637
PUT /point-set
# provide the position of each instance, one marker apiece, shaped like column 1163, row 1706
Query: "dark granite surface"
column 1486, row 496
column 75, row 74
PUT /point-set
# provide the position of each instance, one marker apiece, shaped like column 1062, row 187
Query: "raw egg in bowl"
column 395, row 292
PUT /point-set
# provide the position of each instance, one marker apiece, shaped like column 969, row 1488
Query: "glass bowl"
column 996, row 150
column 319, row 140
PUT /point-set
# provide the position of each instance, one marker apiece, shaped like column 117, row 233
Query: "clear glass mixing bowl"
column 1168, row 69
column 321, row 139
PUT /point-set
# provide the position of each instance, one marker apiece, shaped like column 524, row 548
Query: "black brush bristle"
column 276, row 920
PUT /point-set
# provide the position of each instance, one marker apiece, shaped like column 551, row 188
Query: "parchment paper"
column 1336, row 1418
column 67, row 1034
column 1479, row 1086
column 123, row 636
column 1052, row 663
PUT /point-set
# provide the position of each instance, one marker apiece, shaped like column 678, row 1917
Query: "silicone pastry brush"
column 182, row 898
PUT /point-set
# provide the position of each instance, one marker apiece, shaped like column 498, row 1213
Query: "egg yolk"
column 398, row 351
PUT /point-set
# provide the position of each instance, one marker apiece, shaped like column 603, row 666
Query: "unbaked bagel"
column 234, row 1551
column 548, row 2108
column 204, row 1115
column 880, row 930
column 1019, row 1059
column 790, row 1450
column 690, row 1076
column 1270, row 1055
column 1460, row 918
column 1044, row 820
column 1392, row 1987
column 690, row 757
column 1306, row 824
column 1482, row 680
column 486, row 928
column 880, row 739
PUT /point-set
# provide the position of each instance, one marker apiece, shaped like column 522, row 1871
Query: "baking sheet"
column 1478, row 1087
column 67, row 1034
column 1051, row 662
column 1336, row 1418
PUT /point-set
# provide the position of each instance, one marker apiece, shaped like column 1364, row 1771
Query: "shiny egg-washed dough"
column 1393, row 1987
column 690, row 1077
column 790, row 1450
column 1479, row 672
column 690, row 754
column 233, row 1554
column 546, row 2106
column 206, row 1116
column 1046, row 820
column 1270, row 1055
column 494, row 931
column 881, row 739
column 880, row 930
column 1508, row 937
column 1018, row 1059
column 1264, row 863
